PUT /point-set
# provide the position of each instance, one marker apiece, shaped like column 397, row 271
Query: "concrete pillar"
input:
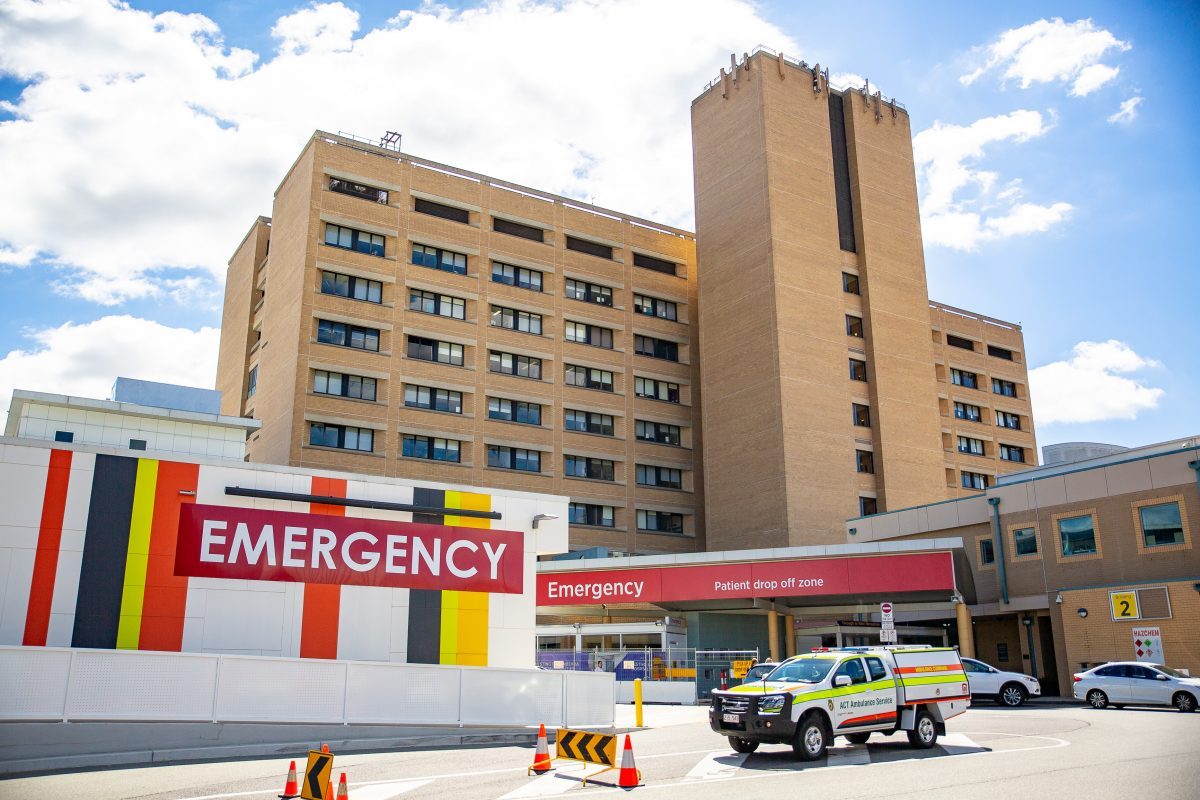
column 966, row 632
column 789, row 628
column 773, row 633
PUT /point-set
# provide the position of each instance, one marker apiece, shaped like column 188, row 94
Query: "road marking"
column 386, row 791
column 555, row 782
column 718, row 764
column 848, row 755
column 957, row 744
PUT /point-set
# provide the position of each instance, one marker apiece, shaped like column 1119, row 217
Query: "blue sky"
column 144, row 141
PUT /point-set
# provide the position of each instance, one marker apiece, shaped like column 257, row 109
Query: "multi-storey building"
column 405, row 318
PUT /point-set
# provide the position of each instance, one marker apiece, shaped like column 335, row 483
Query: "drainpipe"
column 1195, row 465
column 994, row 502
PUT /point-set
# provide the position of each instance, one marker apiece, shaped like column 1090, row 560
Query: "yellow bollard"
column 637, row 702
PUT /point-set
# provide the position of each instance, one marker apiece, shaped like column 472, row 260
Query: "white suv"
column 1006, row 688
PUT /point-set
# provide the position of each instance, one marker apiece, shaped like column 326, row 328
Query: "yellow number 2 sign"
column 1124, row 605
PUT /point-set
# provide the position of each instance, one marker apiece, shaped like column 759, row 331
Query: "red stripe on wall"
column 165, row 601
column 322, row 602
column 45, row 562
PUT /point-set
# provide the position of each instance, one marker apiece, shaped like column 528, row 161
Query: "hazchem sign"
column 1147, row 645
column 251, row 544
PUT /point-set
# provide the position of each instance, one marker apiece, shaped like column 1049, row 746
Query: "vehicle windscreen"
column 806, row 670
column 1174, row 673
column 758, row 672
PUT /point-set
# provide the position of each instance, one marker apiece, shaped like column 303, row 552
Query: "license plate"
column 731, row 718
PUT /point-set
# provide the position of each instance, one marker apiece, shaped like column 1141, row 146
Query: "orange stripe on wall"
column 165, row 600
column 322, row 602
column 45, row 562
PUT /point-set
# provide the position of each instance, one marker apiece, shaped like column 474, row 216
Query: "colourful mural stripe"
column 45, row 562
column 105, row 549
column 464, row 624
column 322, row 602
column 137, row 556
column 425, row 605
column 165, row 601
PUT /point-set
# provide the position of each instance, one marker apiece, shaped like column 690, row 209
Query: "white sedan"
column 1132, row 683
column 1006, row 688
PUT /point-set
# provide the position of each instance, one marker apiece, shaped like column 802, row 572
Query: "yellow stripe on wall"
column 137, row 558
column 465, row 614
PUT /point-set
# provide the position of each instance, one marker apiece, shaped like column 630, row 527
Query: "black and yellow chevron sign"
column 592, row 748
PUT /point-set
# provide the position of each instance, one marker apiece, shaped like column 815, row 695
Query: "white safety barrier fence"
column 46, row 683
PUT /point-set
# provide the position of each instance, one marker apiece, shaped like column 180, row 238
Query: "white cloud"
column 84, row 360
column 1128, row 111
column 1091, row 385
column 1051, row 50
column 144, row 146
column 960, row 206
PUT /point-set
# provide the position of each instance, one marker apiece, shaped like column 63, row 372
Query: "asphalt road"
column 1063, row 752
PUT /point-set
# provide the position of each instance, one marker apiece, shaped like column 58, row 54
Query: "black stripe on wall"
column 425, row 605
column 105, row 549
column 841, row 173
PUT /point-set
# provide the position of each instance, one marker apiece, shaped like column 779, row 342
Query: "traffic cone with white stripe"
column 291, row 787
column 541, row 756
column 631, row 776
column 343, row 790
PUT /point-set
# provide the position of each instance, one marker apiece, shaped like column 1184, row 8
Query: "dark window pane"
column 441, row 210
column 591, row 248
column 517, row 229
column 656, row 264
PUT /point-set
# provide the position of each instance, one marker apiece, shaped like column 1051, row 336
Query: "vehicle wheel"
column 924, row 734
column 1097, row 699
column 812, row 739
column 1184, row 702
column 743, row 745
column 858, row 738
column 1012, row 695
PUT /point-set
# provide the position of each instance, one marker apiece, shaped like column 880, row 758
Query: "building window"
column 437, row 258
column 517, row 458
column 653, row 307
column 656, row 389
column 862, row 415
column 589, row 514
column 1078, row 535
column 351, row 239
column 433, row 399
column 591, row 248
column 350, row 286
column 440, row 304
column 858, row 370
column 867, row 506
column 1000, row 352
column 343, row 437
column 588, row 422
column 589, row 377
column 1007, row 420
column 659, row 521
column 659, row 432
column 432, row 350
column 588, row 292
column 252, row 382
column 1002, row 652
column 655, row 348
column 514, row 411
column 958, row 341
column 358, row 190
column 512, row 364
column 987, row 552
column 530, row 232
column 336, row 383
column 1025, row 542
column 850, row 283
column 1006, row 388
column 583, row 333
column 656, row 264
column 515, row 320
column 597, row 469
column 137, row 444
column 431, row 448
column 662, row 477
column 343, row 335
column 520, row 277
column 960, row 377
column 1162, row 524
column 452, row 213
column 968, row 412
column 864, row 461
column 974, row 480
column 1010, row 452
column 854, row 326
column 971, row 446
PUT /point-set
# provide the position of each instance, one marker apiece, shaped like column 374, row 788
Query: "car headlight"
column 771, row 704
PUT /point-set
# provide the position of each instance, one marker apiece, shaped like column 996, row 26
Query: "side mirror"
column 842, row 680
column 1162, row 677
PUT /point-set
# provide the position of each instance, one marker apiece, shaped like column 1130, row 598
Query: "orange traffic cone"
column 291, row 788
column 631, row 776
column 343, row 789
column 541, row 757
column 324, row 747
column 329, row 789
